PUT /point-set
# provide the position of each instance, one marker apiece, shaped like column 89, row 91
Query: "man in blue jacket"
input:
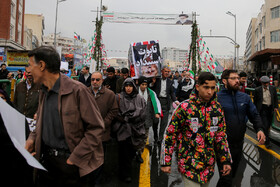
column 237, row 106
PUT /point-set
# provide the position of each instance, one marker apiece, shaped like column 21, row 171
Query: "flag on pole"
column 214, row 65
column 155, row 102
column 76, row 36
column 192, row 74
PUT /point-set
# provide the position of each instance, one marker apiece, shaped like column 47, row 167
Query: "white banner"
column 163, row 19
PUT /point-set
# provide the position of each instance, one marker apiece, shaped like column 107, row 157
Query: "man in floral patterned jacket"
column 198, row 129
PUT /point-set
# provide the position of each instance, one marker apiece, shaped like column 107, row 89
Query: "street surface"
column 259, row 167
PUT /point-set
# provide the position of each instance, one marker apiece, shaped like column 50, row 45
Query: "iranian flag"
column 214, row 65
column 192, row 74
column 76, row 36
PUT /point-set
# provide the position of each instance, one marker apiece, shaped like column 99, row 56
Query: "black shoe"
column 128, row 180
column 139, row 158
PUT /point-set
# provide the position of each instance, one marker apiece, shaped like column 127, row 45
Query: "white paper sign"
column 15, row 125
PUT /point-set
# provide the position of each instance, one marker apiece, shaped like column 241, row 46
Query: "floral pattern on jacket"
column 197, row 133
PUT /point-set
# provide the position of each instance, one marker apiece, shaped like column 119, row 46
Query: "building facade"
column 67, row 44
column 263, row 41
column 12, row 24
column 117, row 62
column 37, row 24
column 174, row 54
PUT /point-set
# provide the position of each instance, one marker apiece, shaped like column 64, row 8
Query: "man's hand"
column 69, row 162
column 261, row 137
column 29, row 146
column 226, row 170
column 166, row 169
column 177, row 103
column 275, row 109
column 157, row 116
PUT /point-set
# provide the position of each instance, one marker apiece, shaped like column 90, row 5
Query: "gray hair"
column 163, row 67
column 97, row 72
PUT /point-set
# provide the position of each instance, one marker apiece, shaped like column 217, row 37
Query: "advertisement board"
column 17, row 58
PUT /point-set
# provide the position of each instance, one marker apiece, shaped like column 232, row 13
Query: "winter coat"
column 131, row 116
column 236, row 106
column 26, row 101
column 184, row 89
column 198, row 129
column 82, row 123
column 108, row 106
column 258, row 98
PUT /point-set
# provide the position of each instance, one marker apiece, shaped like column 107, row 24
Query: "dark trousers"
column 62, row 174
column 236, row 154
column 155, row 128
column 266, row 114
column 14, row 169
column 126, row 155
column 164, row 120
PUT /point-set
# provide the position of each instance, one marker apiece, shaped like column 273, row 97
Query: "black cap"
column 142, row 79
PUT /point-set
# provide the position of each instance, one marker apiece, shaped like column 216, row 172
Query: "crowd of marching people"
column 76, row 121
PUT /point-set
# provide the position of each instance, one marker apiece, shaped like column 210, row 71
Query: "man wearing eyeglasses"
column 108, row 106
column 236, row 105
column 104, row 95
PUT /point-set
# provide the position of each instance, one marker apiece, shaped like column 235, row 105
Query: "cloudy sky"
column 77, row 16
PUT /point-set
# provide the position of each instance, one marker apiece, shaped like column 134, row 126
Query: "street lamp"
column 57, row 1
column 235, row 46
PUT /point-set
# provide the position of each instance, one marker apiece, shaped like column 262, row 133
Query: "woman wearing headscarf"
column 153, row 111
column 130, row 126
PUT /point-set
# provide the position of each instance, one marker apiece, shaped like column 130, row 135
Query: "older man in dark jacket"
column 164, row 90
column 67, row 139
column 266, row 102
column 27, row 96
column 104, row 95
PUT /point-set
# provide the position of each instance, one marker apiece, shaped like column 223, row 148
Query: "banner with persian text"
column 163, row 19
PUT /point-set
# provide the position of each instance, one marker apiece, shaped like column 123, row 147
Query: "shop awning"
column 265, row 55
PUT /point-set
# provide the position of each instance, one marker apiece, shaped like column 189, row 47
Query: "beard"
column 233, row 87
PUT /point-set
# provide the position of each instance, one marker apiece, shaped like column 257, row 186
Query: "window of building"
column 263, row 42
column 12, row 9
column 275, row 12
column 19, row 17
column 264, row 22
column 11, row 32
column 275, row 36
column 19, row 37
column 260, row 28
column 257, row 33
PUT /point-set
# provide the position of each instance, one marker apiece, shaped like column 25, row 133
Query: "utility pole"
column 235, row 46
column 57, row 1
